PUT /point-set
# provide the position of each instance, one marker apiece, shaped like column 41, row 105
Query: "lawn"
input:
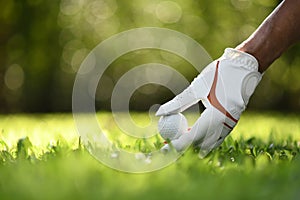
column 41, row 157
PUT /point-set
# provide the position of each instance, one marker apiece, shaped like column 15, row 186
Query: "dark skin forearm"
column 279, row 31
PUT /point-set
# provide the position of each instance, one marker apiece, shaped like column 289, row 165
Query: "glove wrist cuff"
column 244, row 59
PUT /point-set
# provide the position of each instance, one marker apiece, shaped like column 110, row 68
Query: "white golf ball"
column 171, row 127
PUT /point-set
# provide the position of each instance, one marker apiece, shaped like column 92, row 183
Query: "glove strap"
column 243, row 59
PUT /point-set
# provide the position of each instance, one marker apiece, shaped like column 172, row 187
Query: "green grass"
column 41, row 158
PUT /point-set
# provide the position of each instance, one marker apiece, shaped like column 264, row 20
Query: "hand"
column 224, row 87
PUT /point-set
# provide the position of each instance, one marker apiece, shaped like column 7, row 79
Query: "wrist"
column 255, row 52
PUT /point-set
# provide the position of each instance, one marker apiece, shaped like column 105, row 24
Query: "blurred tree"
column 29, row 39
column 43, row 42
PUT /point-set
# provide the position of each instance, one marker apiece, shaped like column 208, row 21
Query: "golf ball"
column 171, row 127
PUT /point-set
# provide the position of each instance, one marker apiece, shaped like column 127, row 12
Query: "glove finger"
column 196, row 133
column 207, row 133
column 198, row 90
column 219, row 126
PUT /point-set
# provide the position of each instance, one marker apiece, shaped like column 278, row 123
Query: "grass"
column 41, row 158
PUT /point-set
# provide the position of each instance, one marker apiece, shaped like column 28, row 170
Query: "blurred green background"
column 43, row 42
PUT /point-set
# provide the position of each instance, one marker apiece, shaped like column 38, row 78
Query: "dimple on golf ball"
column 171, row 127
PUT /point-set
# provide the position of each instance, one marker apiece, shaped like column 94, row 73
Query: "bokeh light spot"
column 168, row 12
column 70, row 7
column 78, row 57
column 98, row 11
column 241, row 4
column 14, row 77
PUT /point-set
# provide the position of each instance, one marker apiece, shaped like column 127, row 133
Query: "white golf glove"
column 224, row 87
